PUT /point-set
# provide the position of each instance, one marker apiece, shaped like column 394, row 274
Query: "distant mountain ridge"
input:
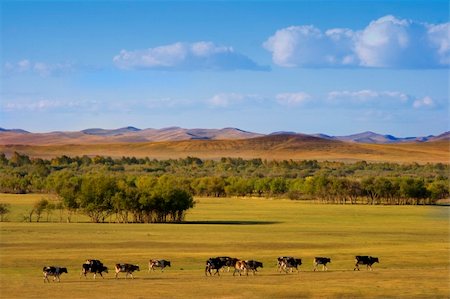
column 371, row 137
column 132, row 135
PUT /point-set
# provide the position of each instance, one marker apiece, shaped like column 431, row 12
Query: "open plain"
column 412, row 243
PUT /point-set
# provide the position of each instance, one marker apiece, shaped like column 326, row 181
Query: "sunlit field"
column 412, row 243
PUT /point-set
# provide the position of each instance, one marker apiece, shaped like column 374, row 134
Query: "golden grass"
column 412, row 243
column 297, row 149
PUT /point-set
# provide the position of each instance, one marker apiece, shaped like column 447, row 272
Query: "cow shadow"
column 230, row 222
column 119, row 279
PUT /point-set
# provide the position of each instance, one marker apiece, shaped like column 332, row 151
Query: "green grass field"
column 412, row 243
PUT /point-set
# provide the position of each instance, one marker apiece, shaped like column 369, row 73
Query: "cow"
column 365, row 260
column 127, row 268
column 253, row 265
column 152, row 264
column 230, row 262
column 321, row 261
column 53, row 271
column 240, row 266
column 214, row 263
column 93, row 266
column 288, row 263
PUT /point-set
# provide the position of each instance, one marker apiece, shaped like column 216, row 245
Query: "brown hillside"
column 125, row 135
column 297, row 147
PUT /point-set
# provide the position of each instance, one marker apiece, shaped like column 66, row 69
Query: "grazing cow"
column 240, row 266
column 214, row 263
column 230, row 262
column 321, row 261
column 93, row 266
column 152, row 264
column 365, row 260
column 253, row 266
column 127, row 268
column 282, row 261
column 53, row 271
column 288, row 263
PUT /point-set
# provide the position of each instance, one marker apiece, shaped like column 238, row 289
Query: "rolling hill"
column 121, row 135
column 132, row 134
column 277, row 146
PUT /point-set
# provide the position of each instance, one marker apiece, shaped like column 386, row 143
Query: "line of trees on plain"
column 144, row 190
column 129, row 199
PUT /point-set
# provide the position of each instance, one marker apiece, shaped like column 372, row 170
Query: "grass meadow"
column 412, row 243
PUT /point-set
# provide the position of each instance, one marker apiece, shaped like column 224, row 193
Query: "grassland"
column 412, row 243
column 275, row 147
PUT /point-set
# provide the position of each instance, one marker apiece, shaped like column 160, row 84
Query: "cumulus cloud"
column 293, row 99
column 308, row 46
column 387, row 42
column 25, row 66
column 186, row 56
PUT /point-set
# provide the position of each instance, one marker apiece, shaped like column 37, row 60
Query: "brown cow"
column 240, row 266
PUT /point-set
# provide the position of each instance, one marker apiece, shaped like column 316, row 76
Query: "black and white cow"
column 321, row 261
column 288, row 263
column 230, row 262
column 127, row 268
column 365, row 260
column 152, row 264
column 53, row 271
column 253, row 266
column 214, row 263
column 93, row 266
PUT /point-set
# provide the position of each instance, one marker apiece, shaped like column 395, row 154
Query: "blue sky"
column 335, row 67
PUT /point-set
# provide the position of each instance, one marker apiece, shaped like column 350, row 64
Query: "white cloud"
column 390, row 42
column 43, row 105
column 23, row 65
column 372, row 98
column 225, row 99
column 293, row 99
column 387, row 42
column 296, row 45
column 439, row 37
column 367, row 95
column 185, row 56
column 425, row 102
column 42, row 69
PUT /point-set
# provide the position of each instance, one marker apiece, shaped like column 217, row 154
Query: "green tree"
column 413, row 189
column 40, row 207
column 96, row 193
column 439, row 189
column 5, row 209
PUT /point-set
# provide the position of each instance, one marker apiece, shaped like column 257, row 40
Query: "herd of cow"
column 284, row 263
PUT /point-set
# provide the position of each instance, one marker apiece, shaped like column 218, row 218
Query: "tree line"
column 150, row 190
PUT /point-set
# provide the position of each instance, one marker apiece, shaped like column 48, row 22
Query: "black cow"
column 365, row 260
column 152, row 264
column 214, row 263
column 53, row 271
column 127, row 268
column 93, row 266
column 321, row 261
column 253, row 265
column 286, row 263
